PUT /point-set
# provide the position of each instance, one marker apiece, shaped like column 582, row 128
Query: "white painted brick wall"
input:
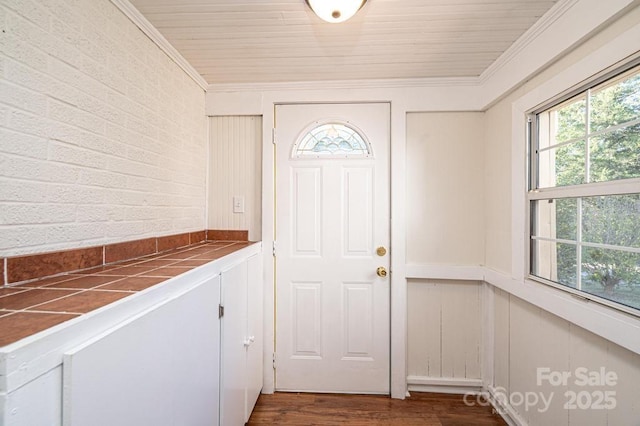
column 102, row 136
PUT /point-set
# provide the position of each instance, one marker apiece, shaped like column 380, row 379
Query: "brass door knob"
column 381, row 271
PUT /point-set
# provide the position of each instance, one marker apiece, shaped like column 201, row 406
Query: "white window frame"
column 613, row 187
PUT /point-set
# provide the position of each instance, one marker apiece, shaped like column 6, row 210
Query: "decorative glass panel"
column 332, row 140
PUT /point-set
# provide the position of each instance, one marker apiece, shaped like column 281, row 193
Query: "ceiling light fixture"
column 335, row 11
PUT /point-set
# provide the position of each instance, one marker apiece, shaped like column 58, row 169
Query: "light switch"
column 238, row 204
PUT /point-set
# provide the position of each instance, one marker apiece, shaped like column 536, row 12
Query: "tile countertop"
column 26, row 309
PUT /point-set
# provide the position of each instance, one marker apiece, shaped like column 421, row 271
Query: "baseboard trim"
column 444, row 385
column 459, row 386
column 503, row 408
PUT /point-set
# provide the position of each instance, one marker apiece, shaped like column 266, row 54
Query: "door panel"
column 357, row 187
column 332, row 309
column 307, row 320
column 307, row 211
column 358, row 320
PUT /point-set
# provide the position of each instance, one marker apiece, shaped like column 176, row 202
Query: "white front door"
column 332, row 210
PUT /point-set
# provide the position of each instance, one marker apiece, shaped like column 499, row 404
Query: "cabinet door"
column 158, row 368
column 234, row 353
column 254, row 332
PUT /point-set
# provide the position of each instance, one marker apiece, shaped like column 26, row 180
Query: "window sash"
column 578, row 191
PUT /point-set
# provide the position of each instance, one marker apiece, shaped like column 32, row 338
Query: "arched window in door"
column 332, row 140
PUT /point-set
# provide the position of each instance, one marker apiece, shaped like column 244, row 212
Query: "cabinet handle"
column 249, row 340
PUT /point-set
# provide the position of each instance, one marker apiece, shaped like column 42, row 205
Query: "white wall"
column 102, row 136
column 235, row 169
column 496, row 157
column 470, row 236
column 260, row 100
column 527, row 335
column 444, row 213
column 445, row 200
column 104, row 139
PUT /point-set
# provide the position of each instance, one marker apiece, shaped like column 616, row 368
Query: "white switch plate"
column 238, row 204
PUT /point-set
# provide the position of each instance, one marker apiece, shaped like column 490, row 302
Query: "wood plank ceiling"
column 260, row 41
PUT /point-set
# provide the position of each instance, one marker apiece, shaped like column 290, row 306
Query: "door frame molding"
column 398, row 296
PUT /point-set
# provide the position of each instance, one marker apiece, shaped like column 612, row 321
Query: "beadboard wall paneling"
column 102, row 136
column 528, row 338
column 235, row 170
column 444, row 329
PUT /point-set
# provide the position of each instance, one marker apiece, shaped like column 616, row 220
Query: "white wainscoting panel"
column 526, row 336
column 444, row 329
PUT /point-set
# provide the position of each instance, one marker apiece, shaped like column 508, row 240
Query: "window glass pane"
column 554, row 261
column 612, row 274
column 615, row 102
column 612, row 220
column 563, row 165
column 332, row 140
column 615, row 155
column 566, row 218
column 568, row 121
column 555, row 219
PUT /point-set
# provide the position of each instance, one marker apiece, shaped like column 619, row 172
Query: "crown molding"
column 393, row 83
column 529, row 36
column 146, row 27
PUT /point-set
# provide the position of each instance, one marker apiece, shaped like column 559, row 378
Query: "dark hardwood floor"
column 331, row 409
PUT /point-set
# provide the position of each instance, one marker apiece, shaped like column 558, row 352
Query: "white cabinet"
column 242, row 343
column 255, row 326
column 158, row 368
column 159, row 357
column 233, row 330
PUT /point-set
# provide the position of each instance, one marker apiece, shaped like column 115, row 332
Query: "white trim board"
column 541, row 25
column 457, row 386
column 445, row 272
column 450, row 385
column 152, row 32
column 396, row 83
column 398, row 303
column 444, row 384
column 505, row 410
column 565, row 26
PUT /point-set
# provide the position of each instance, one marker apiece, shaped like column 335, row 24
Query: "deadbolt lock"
column 381, row 271
column 381, row 251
